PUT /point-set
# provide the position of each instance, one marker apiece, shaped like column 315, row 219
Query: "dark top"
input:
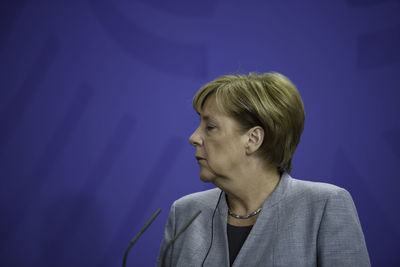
column 236, row 237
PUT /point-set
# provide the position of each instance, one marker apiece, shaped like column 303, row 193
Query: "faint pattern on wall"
column 11, row 115
column 168, row 56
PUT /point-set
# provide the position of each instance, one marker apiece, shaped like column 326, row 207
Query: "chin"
column 206, row 179
column 207, row 176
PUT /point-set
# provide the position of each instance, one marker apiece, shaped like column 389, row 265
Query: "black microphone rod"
column 139, row 234
column 177, row 235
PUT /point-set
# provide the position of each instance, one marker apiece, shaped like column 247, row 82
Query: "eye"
column 210, row 127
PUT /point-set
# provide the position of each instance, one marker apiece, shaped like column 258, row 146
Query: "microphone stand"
column 139, row 234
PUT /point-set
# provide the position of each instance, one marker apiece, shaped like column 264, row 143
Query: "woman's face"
column 220, row 145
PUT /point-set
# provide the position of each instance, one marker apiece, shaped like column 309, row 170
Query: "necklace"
column 244, row 216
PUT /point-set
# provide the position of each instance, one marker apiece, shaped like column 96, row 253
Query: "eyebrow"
column 208, row 118
column 205, row 117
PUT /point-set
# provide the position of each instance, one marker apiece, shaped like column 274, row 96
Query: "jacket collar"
column 277, row 195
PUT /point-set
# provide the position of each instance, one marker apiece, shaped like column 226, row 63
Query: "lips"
column 199, row 158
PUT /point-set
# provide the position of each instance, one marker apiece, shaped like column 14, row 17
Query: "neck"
column 250, row 192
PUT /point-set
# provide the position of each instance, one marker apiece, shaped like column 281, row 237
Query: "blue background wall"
column 95, row 113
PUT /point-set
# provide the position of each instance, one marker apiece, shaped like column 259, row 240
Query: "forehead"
column 211, row 111
column 210, row 108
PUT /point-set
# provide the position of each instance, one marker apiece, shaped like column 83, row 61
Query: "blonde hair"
column 268, row 100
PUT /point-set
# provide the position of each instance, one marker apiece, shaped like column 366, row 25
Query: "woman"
column 258, row 215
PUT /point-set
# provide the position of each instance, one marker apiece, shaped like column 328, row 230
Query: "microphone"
column 139, row 234
column 177, row 235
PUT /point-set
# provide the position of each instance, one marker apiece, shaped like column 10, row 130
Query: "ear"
column 255, row 139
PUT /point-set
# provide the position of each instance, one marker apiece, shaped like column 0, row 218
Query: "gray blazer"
column 301, row 224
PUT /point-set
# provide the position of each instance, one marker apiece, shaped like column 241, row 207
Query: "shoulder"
column 203, row 200
column 323, row 205
column 314, row 191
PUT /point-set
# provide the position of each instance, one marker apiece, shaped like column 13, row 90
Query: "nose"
column 195, row 138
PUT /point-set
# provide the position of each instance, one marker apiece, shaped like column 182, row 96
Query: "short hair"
column 268, row 100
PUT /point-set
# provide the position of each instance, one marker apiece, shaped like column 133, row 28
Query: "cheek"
column 211, row 150
column 216, row 155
